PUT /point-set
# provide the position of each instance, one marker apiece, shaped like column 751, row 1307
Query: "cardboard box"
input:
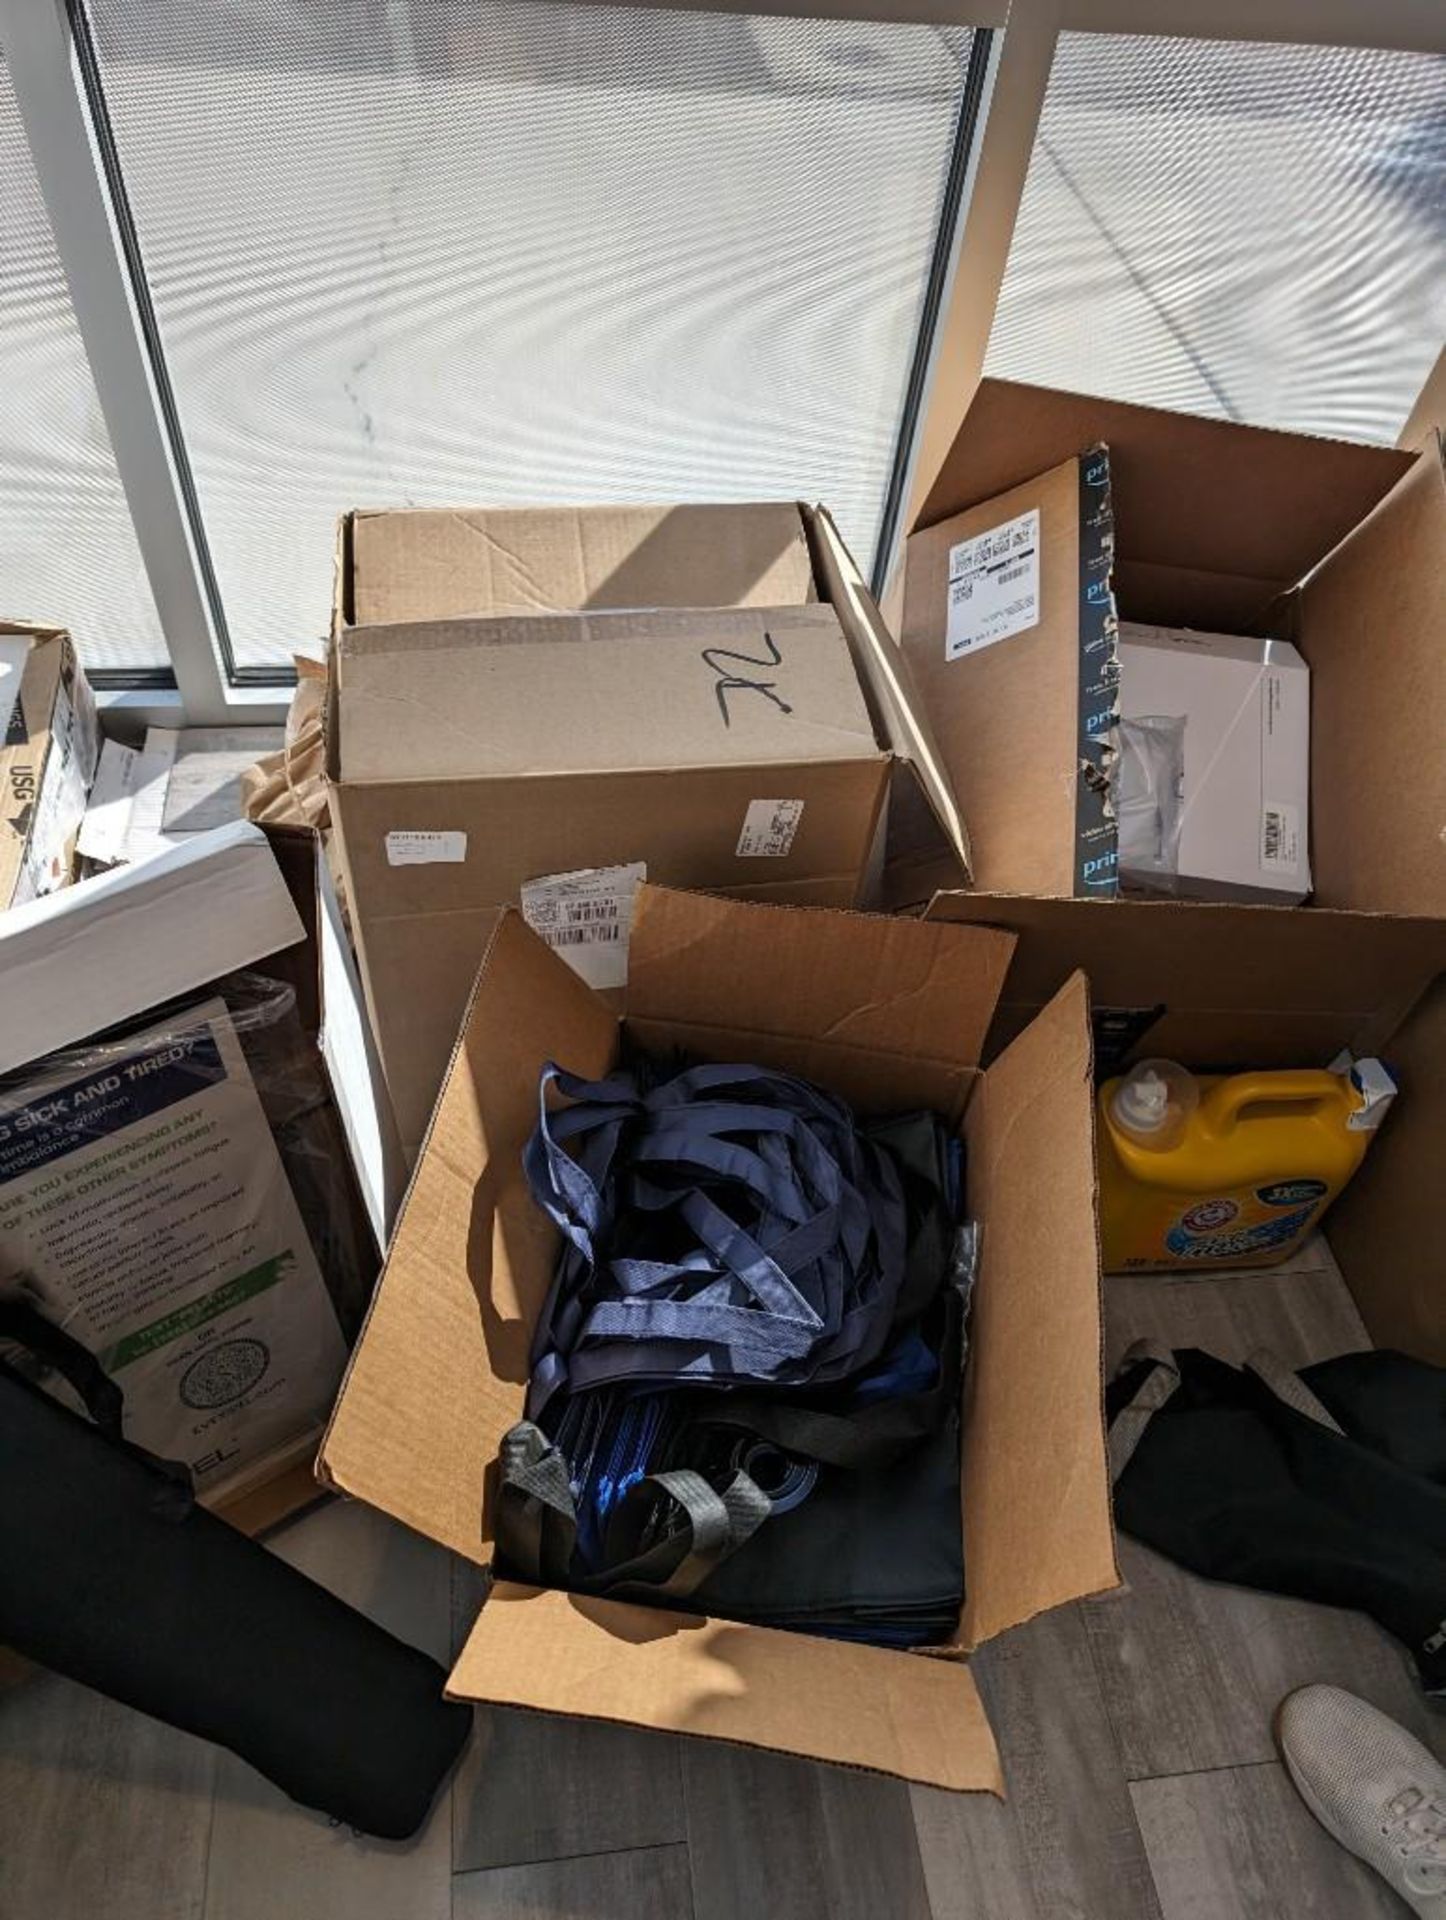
column 1226, row 987
column 49, row 746
column 891, row 1014
column 1338, row 548
column 705, row 690
column 111, row 948
column 1226, row 720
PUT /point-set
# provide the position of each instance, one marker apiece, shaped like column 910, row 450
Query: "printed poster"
column 144, row 1208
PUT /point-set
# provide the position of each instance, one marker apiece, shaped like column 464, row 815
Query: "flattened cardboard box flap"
column 824, row 1699
column 603, row 692
column 1215, row 984
column 1008, row 716
column 1369, row 622
column 438, row 1374
column 855, row 980
column 1037, row 1525
column 426, row 564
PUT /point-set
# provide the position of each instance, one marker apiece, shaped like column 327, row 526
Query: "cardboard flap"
column 1247, row 505
column 856, row 980
column 1037, row 1521
column 1214, row 984
column 1370, row 623
column 438, row 1375
column 900, row 714
column 80, row 960
column 1388, row 1226
column 893, row 1713
column 1008, row 716
column 596, row 693
column 427, row 564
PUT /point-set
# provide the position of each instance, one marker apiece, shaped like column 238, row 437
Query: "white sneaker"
column 1373, row 1788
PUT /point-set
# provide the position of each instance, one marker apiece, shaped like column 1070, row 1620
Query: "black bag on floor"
column 1329, row 1484
column 110, row 1573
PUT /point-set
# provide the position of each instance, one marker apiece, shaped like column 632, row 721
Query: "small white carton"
column 1232, row 720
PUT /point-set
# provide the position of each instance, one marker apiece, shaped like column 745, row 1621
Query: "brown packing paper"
column 288, row 788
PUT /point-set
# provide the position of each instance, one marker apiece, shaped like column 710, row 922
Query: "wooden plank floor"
column 1135, row 1731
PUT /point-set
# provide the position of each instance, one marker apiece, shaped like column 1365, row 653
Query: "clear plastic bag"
column 1148, row 782
column 176, row 1194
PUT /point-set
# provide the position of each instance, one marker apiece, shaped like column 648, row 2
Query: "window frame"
column 56, row 85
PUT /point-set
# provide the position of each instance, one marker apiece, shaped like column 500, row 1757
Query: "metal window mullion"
column 1008, row 121
column 39, row 52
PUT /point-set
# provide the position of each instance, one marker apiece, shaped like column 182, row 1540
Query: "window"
column 68, row 555
column 1251, row 231
column 518, row 251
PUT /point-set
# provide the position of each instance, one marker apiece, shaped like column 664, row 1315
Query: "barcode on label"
column 587, row 917
column 769, row 827
column 1280, row 848
column 579, row 936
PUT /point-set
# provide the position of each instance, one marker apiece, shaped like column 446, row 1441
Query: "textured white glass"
column 521, row 251
column 68, row 554
column 1256, row 232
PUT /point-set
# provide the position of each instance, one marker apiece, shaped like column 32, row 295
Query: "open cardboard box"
column 1222, row 988
column 1187, row 522
column 706, row 690
column 1342, row 550
column 891, row 1014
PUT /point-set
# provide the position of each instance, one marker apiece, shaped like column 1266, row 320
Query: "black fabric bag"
column 1329, row 1484
column 110, row 1573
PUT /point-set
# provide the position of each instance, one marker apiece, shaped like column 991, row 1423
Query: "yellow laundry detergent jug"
column 1201, row 1171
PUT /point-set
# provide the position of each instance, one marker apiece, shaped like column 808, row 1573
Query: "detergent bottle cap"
column 1154, row 1101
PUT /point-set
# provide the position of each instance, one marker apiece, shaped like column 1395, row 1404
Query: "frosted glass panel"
column 68, row 554
column 516, row 252
column 1256, row 232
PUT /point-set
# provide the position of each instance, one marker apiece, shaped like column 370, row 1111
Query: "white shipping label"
column 108, row 816
column 1280, row 847
column 418, row 849
column 768, row 828
column 145, row 1207
column 993, row 586
column 587, row 917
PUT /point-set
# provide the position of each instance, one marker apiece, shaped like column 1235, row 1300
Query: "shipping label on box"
column 587, row 917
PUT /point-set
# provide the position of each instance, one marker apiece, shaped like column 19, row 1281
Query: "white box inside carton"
column 1241, row 759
